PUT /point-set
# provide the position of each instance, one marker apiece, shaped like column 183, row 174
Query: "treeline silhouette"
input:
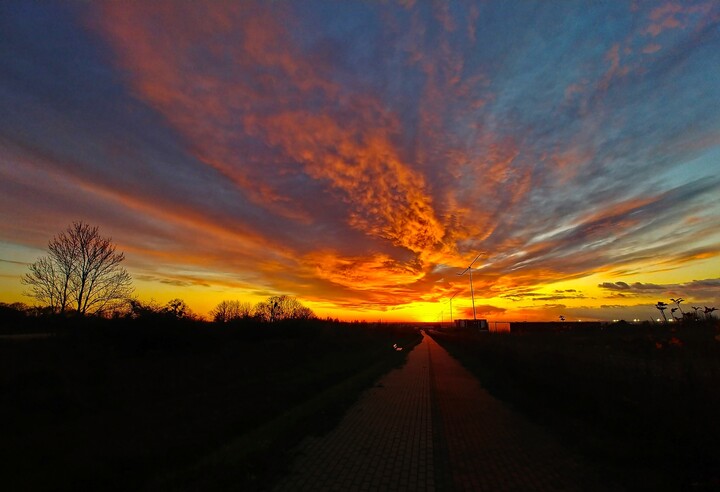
column 82, row 275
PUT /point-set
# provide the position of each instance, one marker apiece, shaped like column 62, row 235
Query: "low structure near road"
column 472, row 324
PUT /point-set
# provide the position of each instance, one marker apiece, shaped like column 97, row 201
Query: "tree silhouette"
column 279, row 308
column 82, row 272
column 227, row 311
column 177, row 309
column 708, row 312
column 661, row 306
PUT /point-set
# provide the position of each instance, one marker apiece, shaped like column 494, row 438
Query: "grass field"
column 642, row 402
column 123, row 405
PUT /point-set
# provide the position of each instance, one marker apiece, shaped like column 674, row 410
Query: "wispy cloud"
column 706, row 290
column 21, row 263
column 557, row 295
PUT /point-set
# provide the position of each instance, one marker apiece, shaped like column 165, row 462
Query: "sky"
column 360, row 155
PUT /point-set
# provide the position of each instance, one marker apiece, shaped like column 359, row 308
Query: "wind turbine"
column 472, row 294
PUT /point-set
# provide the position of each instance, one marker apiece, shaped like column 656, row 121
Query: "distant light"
column 615, row 321
column 658, row 319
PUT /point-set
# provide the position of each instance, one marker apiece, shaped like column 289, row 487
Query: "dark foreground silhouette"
column 641, row 401
column 142, row 404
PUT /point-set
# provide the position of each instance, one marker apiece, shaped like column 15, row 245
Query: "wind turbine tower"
column 472, row 294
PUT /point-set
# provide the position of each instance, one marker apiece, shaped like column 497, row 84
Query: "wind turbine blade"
column 469, row 267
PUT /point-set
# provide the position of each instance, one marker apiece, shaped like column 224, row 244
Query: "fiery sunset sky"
column 359, row 155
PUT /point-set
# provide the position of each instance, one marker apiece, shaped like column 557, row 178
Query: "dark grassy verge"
column 120, row 405
column 255, row 460
column 639, row 402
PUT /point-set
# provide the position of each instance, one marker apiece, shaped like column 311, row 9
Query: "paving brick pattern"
column 384, row 442
column 491, row 447
column 430, row 426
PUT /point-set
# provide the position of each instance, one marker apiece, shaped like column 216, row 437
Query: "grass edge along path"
column 255, row 460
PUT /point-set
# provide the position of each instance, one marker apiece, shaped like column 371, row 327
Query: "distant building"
column 469, row 324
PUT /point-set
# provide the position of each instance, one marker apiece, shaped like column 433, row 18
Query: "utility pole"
column 472, row 294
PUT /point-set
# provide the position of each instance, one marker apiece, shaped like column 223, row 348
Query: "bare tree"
column 223, row 312
column 278, row 308
column 227, row 311
column 46, row 284
column 81, row 272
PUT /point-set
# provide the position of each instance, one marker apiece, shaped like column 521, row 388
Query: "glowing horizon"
column 358, row 156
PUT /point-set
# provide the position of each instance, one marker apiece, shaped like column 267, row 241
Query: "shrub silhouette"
column 661, row 306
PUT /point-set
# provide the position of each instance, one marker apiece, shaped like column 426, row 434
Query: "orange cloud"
column 673, row 15
column 347, row 147
column 376, row 272
column 387, row 197
column 163, row 65
column 616, row 70
column 617, row 210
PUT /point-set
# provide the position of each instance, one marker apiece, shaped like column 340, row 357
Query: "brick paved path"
column 431, row 426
